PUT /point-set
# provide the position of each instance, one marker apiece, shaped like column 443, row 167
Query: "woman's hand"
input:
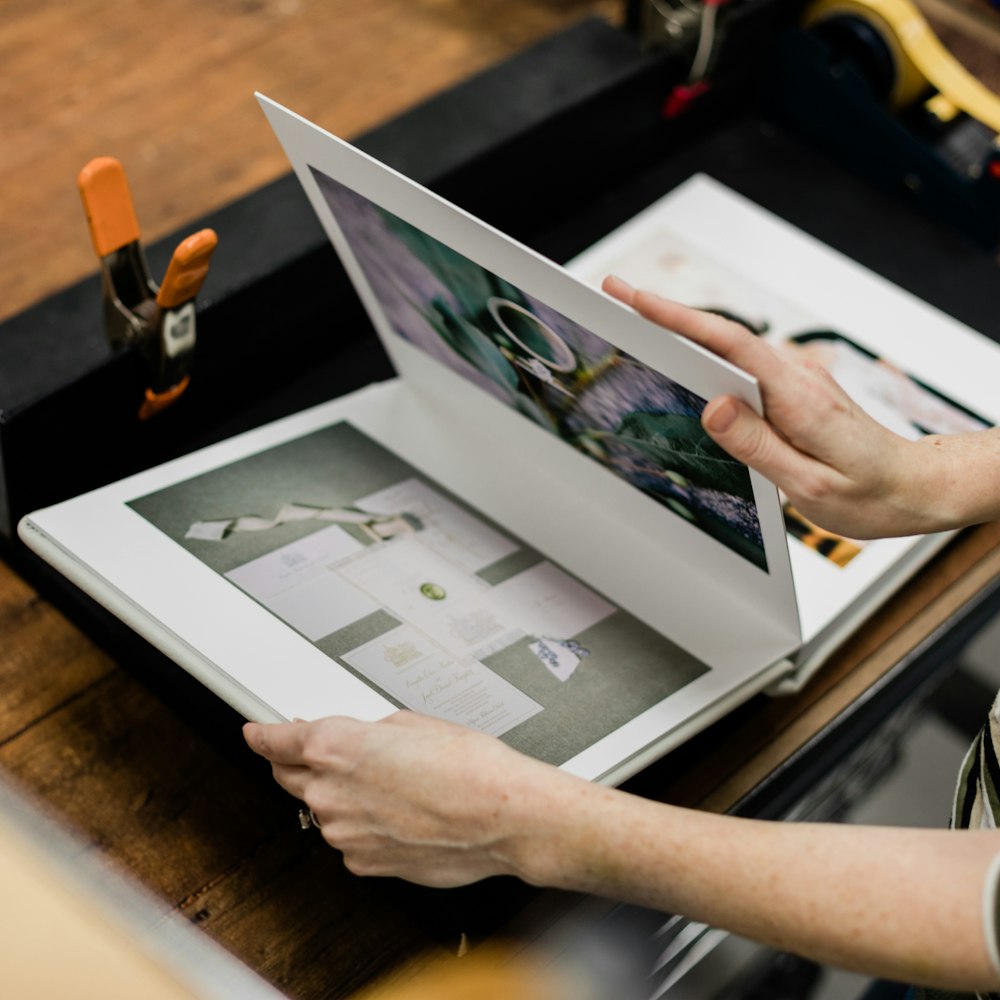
column 413, row 796
column 838, row 466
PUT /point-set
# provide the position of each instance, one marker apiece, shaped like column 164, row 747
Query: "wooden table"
column 166, row 87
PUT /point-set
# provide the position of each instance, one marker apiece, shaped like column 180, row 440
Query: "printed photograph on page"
column 426, row 601
column 634, row 421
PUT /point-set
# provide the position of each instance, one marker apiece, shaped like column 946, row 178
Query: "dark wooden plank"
column 134, row 781
column 44, row 660
column 295, row 915
column 215, row 841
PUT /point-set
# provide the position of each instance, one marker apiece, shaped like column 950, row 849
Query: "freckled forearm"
column 904, row 904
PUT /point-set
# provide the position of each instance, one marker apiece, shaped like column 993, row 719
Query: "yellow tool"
column 159, row 322
column 922, row 63
column 868, row 81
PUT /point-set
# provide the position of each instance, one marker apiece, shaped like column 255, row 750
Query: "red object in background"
column 681, row 97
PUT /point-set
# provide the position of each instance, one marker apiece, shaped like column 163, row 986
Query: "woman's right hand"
column 838, row 467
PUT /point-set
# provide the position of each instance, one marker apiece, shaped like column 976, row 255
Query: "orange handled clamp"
column 160, row 322
column 108, row 204
column 187, row 270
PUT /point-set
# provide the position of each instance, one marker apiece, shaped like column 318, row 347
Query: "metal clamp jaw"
column 158, row 321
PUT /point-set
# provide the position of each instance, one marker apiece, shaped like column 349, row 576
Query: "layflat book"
column 526, row 531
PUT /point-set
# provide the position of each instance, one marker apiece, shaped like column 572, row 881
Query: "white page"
column 705, row 245
column 633, row 542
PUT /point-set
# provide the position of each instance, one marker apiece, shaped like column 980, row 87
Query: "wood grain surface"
column 167, row 88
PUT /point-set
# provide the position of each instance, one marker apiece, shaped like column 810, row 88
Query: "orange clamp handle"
column 187, row 269
column 108, row 203
column 154, row 402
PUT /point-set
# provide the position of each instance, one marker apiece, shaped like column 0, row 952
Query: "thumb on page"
column 750, row 439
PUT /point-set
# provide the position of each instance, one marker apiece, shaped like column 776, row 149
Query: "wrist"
column 548, row 824
column 947, row 486
column 591, row 839
column 911, row 495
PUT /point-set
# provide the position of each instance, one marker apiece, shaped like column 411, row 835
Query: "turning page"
column 597, row 411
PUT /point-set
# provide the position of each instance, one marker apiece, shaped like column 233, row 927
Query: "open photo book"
column 526, row 531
